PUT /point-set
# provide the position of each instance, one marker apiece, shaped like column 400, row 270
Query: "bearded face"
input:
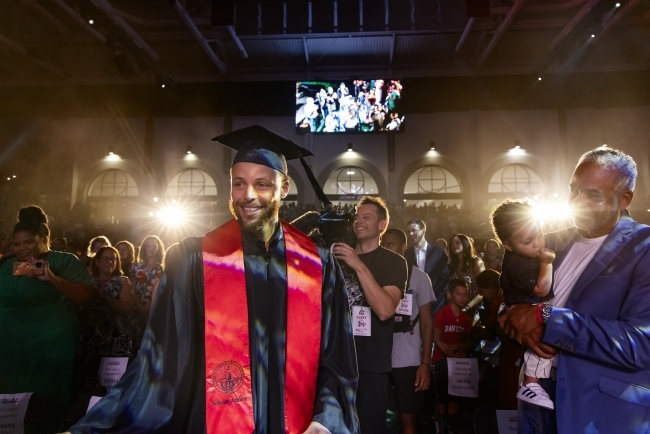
column 256, row 192
column 255, row 216
column 596, row 199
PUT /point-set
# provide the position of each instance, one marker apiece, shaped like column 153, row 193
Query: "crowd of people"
column 393, row 309
column 370, row 106
column 104, row 292
column 65, row 310
column 443, row 220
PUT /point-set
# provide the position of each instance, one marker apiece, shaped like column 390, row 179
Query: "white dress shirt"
column 421, row 255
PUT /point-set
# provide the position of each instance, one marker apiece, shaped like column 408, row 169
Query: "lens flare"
column 172, row 216
column 552, row 214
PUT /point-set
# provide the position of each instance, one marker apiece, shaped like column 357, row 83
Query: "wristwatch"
column 546, row 313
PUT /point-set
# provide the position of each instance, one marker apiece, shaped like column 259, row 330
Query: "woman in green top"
column 39, row 327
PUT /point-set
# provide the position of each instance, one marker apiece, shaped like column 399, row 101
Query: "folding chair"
column 461, row 423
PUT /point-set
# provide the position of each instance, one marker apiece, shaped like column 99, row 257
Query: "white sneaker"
column 535, row 394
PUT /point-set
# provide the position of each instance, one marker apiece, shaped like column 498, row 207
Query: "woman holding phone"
column 39, row 327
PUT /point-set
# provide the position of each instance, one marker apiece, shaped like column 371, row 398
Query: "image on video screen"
column 352, row 106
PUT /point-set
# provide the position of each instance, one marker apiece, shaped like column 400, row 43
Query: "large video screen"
column 352, row 106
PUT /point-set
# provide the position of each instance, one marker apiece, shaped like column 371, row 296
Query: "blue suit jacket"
column 435, row 266
column 603, row 383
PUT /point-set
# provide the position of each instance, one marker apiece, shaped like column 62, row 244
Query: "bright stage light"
column 517, row 150
column 552, row 211
column 172, row 216
column 112, row 156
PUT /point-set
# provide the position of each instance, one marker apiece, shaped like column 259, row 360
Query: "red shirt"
column 453, row 327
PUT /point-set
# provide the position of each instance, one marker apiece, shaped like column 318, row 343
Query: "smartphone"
column 28, row 268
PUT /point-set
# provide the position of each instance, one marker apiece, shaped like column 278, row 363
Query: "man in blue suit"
column 599, row 320
column 428, row 258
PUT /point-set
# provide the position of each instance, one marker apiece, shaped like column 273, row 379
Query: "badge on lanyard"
column 361, row 320
column 405, row 306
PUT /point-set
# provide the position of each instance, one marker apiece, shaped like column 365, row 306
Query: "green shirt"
column 40, row 334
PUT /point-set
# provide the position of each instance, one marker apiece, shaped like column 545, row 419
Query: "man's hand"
column 533, row 340
column 519, row 320
column 520, row 323
column 422, row 378
column 346, row 253
column 317, row 428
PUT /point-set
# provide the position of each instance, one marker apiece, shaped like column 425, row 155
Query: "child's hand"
column 546, row 256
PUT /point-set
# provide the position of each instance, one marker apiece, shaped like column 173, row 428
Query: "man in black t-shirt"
column 375, row 279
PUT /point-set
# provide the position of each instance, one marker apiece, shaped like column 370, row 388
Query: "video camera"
column 334, row 224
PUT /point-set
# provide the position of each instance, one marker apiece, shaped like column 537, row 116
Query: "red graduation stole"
column 229, row 399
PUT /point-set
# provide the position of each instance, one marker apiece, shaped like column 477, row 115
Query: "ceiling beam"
column 463, row 37
column 48, row 16
column 558, row 7
column 127, row 36
column 79, row 19
column 12, row 64
column 160, row 22
column 616, row 17
column 187, row 19
column 235, row 38
column 304, row 46
column 16, row 48
column 577, row 19
column 610, row 18
column 335, row 35
column 107, row 9
column 512, row 13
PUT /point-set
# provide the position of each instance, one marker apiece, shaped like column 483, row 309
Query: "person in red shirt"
column 451, row 329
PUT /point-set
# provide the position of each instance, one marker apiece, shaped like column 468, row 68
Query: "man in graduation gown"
column 250, row 330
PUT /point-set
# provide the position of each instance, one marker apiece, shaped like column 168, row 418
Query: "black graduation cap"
column 256, row 144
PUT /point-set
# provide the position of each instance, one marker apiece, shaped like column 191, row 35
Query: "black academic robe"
column 163, row 390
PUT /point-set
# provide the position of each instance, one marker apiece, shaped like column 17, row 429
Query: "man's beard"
column 593, row 220
column 253, row 226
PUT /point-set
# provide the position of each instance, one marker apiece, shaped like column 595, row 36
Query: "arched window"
column 191, row 182
column 515, row 178
column 433, row 183
column 432, row 179
column 350, row 181
column 293, row 190
column 113, row 183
